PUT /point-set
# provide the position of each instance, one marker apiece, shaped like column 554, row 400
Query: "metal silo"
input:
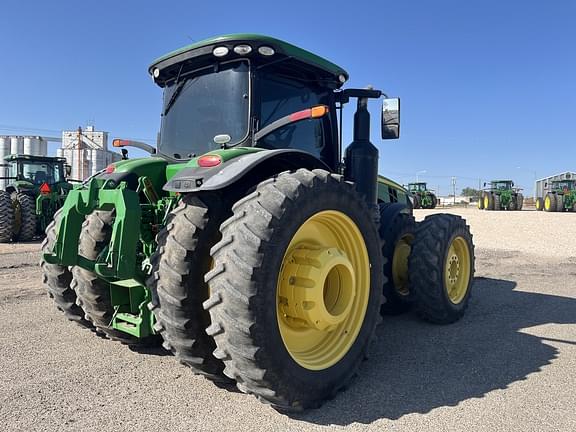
column 16, row 145
column 4, row 146
column 31, row 146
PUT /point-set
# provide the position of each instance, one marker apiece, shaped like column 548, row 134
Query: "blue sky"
column 488, row 87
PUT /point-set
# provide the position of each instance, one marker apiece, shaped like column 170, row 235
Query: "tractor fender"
column 259, row 166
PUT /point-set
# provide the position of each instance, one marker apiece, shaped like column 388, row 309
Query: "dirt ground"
column 507, row 366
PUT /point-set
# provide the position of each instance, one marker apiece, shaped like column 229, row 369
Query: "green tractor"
column 256, row 251
column 501, row 195
column 36, row 189
column 422, row 196
column 561, row 197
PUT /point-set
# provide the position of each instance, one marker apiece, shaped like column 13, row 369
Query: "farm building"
column 542, row 185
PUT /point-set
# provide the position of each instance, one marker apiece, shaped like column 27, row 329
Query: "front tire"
column 539, row 204
column 290, row 346
column 57, row 280
column 93, row 292
column 497, row 202
column 442, row 268
column 519, row 201
column 559, row 203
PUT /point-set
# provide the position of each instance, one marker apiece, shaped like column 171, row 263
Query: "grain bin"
column 16, row 145
column 31, row 146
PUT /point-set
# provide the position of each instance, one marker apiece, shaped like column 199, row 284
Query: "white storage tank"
column 16, row 145
column 31, row 146
column 43, row 146
column 4, row 146
column 59, row 152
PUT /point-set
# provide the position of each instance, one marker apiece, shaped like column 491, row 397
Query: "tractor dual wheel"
column 550, row 202
column 181, row 260
column 519, row 201
column 296, row 289
column 488, row 201
column 434, row 201
column 539, row 203
column 497, row 202
column 57, row 280
column 559, row 203
column 24, row 219
column 417, row 201
column 396, row 230
column 6, row 217
column 93, row 293
column 441, row 268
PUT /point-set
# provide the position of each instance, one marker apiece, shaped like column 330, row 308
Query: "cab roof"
column 202, row 54
column 32, row 158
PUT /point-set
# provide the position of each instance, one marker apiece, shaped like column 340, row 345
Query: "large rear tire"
column 396, row 230
column 25, row 215
column 417, row 201
column 550, row 202
column 94, row 293
column 6, row 217
column 539, row 203
column 497, row 202
column 57, row 280
column 434, row 201
column 181, row 260
column 519, row 201
column 295, row 347
column 559, row 203
column 441, row 268
column 488, row 201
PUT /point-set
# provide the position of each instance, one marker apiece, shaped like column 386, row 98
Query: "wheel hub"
column 317, row 287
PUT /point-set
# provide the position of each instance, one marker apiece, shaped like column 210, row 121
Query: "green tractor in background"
column 561, row 197
column 422, row 196
column 247, row 242
column 36, row 189
column 501, row 195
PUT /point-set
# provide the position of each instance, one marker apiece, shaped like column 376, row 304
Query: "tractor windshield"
column 502, row 185
column 202, row 106
column 36, row 172
column 563, row 185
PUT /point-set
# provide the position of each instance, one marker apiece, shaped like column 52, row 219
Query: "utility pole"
column 454, row 188
column 80, row 173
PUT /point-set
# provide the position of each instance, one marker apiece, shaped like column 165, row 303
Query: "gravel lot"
column 507, row 366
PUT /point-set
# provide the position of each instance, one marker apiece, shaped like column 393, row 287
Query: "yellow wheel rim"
column 480, row 204
column 486, row 201
column 400, row 264
column 323, row 290
column 547, row 203
column 537, row 204
column 457, row 268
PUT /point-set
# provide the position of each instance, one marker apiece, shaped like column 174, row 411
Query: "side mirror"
column 68, row 170
column 512, row 183
column 484, row 184
column 391, row 118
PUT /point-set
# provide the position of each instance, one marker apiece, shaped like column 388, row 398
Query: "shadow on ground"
column 416, row 367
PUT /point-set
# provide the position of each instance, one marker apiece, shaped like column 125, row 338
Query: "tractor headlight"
column 266, row 51
column 242, row 49
column 220, row 51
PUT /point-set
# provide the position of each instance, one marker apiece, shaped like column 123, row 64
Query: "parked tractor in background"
column 422, row 196
column 561, row 197
column 36, row 189
column 501, row 195
column 247, row 243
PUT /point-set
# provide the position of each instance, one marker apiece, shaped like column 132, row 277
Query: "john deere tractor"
column 257, row 251
column 561, row 197
column 422, row 196
column 36, row 189
column 501, row 195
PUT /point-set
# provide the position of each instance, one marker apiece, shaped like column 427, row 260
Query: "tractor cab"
column 563, row 185
column 501, row 185
column 250, row 91
column 417, row 187
column 27, row 172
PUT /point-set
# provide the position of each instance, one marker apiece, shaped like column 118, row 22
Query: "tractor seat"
column 40, row 177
